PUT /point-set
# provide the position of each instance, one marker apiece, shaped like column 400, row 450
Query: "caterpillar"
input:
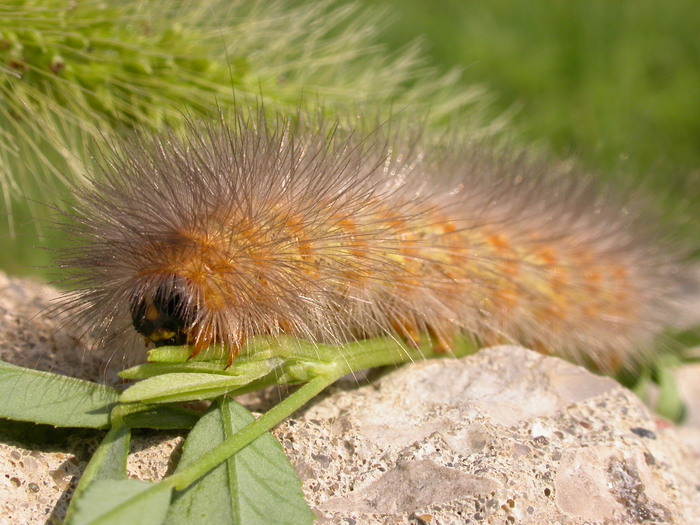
column 274, row 225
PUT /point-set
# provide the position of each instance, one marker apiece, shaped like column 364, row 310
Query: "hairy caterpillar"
column 265, row 226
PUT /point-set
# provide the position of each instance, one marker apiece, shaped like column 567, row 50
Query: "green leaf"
column 669, row 404
column 52, row 399
column 255, row 486
column 118, row 502
column 249, row 368
column 163, row 418
column 154, row 369
column 108, row 462
column 180, row 387
column 183, row 354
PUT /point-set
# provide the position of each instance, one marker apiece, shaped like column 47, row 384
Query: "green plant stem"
column 272, row 417
column 359, row 356
column 374, row 353
column 318, row 366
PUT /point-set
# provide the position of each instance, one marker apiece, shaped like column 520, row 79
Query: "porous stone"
column 506, row 436
column 33, row 333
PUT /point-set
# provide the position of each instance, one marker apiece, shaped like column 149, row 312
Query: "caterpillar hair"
column 276, row 226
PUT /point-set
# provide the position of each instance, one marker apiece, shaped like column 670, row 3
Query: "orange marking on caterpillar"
column 410, row 249
column 448, row 228
column 551, row 314
column 440, row 340
column 295, row 227
column 498, row 241
column 505, row 299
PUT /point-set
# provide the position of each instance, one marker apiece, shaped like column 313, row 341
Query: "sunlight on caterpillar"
column 278, row 228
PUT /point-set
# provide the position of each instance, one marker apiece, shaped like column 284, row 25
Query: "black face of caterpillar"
column 164, row 318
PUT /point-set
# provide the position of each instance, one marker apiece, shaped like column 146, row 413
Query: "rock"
column 39, row 475
column 32, row 333
column 505, row 436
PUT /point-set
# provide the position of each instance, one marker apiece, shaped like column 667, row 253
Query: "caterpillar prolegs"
column 272, row 226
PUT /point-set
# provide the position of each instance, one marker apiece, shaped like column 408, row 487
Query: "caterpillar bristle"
column 282, row 226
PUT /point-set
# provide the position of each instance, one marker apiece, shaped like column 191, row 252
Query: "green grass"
column 614, row 83
column 596, row 77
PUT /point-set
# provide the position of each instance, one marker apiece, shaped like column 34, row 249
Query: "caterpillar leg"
column 407, row 330
column 205, row 340
column 441, row 339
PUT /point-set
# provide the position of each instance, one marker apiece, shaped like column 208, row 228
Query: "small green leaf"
column 108, row 462
column 169, row 354
column 181, row 387
column 118, row 502
column 155, row 369
column 256, row 486
column 52, row 399
column 249, row 368
column 669, row 404
column 163, row 418
column 183, row 354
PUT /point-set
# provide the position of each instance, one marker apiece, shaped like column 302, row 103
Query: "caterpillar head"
column 165, row 316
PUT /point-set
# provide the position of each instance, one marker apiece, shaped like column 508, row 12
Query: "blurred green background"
column 614, row 83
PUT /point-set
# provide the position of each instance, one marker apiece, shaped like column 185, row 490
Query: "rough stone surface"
column 32, row 333
column 506, row 436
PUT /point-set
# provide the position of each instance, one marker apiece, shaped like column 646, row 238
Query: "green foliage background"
column 616, row 84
